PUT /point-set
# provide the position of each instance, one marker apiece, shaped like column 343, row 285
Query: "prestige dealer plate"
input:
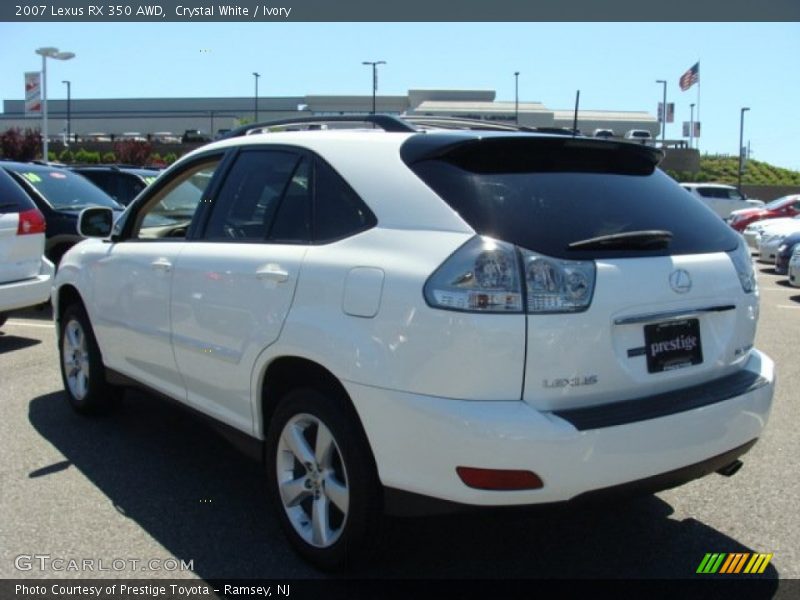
column 672, row 345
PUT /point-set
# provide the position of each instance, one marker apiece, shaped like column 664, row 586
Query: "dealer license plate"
column 672, row 345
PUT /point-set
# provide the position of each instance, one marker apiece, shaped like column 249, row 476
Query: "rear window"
column 63, row 189
column 725, row 193
column 545, row 194
column 13, row 198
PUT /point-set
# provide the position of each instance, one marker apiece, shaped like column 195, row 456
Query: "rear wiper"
column 651, row 239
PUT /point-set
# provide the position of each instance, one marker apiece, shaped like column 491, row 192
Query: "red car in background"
column 787, row 206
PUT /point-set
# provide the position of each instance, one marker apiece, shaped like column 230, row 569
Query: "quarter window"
column 338, row 211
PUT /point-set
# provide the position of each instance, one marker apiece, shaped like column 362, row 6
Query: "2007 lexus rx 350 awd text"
column 420, row 318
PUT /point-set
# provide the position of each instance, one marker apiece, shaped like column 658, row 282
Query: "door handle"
column 161, row 264
column 273, row 272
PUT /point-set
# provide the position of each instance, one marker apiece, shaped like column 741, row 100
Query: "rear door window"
column 251, row 194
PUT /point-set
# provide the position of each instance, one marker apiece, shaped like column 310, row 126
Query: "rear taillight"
column 743, row 263
column 557, row 285
column 486, row 275
column 482, row 276
column 31, row 221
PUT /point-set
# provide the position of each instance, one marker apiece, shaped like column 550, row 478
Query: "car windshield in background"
column 554, row 198
column 779, row 202
column 63, row 189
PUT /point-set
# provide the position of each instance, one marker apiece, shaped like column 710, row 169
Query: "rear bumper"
column 28, row 292
column 418, row 441
column 399, row 503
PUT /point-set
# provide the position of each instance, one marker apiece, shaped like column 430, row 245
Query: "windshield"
column 779, row 203
column 63, row 189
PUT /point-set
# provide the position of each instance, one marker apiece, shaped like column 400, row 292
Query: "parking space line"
column 787, row 306
column 774, row 289
column 26, row 324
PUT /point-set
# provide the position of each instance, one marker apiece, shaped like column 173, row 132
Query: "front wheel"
column 82, row 369
column 322, row 479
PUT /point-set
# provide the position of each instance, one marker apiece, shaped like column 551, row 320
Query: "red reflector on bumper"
column 499, row 479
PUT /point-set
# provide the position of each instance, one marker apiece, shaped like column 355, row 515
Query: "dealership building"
column 148, row 116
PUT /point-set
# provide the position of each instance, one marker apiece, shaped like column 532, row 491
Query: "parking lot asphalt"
column 150, row 482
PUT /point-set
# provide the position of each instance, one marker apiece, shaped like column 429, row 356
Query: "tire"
column 82, row 369
column 322, row 479
column 3, row 319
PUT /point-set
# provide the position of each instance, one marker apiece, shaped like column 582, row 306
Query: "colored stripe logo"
column 734, row 563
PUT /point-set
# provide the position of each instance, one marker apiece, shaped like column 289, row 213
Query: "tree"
column 19, row 145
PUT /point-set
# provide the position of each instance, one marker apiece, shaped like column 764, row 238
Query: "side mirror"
column 96, row 222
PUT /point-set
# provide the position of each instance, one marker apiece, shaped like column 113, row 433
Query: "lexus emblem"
column 680, row 281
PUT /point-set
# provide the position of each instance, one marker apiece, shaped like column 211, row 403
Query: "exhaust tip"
column 731, row 469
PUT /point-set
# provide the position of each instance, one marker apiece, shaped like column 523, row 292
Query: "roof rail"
column 391, row 123
column 436, row 122
column 385, row 122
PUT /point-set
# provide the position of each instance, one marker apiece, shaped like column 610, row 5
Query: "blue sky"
column 615, row 66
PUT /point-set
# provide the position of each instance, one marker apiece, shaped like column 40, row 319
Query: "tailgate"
column 655, row 324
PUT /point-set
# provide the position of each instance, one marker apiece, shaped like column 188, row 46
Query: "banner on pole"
column 33, row 93
column 670, row 112
column 687, row 128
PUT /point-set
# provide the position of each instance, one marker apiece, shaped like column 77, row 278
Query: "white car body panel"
column 25, row 274
column 228, row 303
column 129, row 303
column 407, row 346
column 794, row 269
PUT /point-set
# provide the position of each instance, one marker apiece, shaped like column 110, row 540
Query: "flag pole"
column 697, row 140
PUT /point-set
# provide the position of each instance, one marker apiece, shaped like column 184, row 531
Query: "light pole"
column 741, row 134
column 374, row 64
column 255, row 104
column 45, row 53
column 663, row 113
column 69, row 101
column 691, row 125
column 516, row 97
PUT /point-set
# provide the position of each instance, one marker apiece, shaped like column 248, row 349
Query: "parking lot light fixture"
column 374, row 64
column 255, row 103
column 69, row 109
column 663, row 112
column 48, row 52
column 741, row 138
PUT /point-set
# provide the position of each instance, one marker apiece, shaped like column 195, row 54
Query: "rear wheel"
column 3, row 319
column 322, row 479
column 82, row 369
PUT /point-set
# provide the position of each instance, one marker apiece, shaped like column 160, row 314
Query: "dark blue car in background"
column 60, row 195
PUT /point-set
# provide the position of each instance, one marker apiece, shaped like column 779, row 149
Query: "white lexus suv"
column 412, row 320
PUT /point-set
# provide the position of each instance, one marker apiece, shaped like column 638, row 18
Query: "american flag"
column 689, row 78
